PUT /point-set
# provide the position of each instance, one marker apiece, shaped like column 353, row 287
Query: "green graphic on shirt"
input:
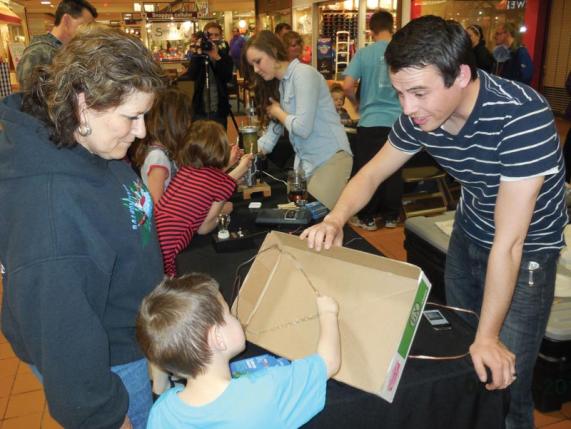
column 140, row 206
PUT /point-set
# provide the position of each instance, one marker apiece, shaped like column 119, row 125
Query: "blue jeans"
column 135, row 378
column 525, row 323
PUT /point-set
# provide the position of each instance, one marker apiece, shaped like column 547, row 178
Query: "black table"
column 431, row 394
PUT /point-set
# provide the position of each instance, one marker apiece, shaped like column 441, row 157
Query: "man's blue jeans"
column 525, row 323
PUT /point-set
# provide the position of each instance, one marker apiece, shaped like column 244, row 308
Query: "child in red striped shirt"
column 198, row 193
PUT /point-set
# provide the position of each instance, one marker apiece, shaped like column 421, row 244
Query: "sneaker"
column 391, row 223
column 366, row 224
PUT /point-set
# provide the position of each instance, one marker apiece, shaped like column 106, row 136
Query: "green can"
column 249, row 138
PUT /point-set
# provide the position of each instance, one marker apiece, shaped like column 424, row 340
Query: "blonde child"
column 338, row 96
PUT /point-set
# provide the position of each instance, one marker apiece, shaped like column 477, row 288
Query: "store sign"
column 167, row 32
column 181, row 11
column 515, row 4
column 511, row 5
column 171, row 16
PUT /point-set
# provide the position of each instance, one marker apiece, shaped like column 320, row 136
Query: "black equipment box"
column 283, row 217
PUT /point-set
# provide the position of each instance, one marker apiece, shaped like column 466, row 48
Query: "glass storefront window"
column 170, row 41
column 302, row 23
column 486, row 14
column 338, row 31
column 268, row 21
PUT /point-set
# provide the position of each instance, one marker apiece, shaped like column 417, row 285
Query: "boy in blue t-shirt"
column 185, row 327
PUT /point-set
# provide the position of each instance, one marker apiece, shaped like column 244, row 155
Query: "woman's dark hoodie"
column 80, row 252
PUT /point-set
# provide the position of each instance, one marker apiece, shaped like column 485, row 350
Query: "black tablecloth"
column 431, row 394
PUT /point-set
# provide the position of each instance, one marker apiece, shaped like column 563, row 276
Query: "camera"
column 206, row 45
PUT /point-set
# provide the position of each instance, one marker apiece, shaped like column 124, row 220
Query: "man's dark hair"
column 282, row 26
column 213, row 24
column 430, row 40
column 381, row 21
column 74, row 8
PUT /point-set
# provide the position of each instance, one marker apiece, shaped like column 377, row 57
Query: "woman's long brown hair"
column 269, row 43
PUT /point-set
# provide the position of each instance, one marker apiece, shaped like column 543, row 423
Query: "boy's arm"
column 329, row 345
column 241, row 169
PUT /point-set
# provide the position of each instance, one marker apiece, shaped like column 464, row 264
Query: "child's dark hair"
column 167, row 124
column 174, row 321
column 336, row 87
column 206, row 145
column 381, row 21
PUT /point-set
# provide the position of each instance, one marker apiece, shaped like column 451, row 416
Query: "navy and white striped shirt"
column 510, row 135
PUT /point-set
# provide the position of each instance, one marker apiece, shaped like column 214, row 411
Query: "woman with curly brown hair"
column 77, row 239
column 295, row 96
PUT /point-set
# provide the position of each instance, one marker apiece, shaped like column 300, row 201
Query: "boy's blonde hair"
column 174, row 321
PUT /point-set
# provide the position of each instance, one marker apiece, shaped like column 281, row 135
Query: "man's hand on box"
column 324, row 235
column 492, row 353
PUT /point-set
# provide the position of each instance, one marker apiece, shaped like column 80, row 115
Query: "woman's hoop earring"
column 84, row 130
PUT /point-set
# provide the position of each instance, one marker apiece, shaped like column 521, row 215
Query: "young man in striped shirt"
column 498, row 139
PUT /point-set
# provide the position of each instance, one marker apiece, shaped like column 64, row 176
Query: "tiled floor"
column 22, row 401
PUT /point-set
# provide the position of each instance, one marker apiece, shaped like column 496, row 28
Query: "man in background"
column 211, row 69
column 281, row 29
column 512, row 60
column 236, row 44
column 379, row 108
column 70, row 14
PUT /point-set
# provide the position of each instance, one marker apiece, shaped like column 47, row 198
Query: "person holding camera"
column 211, row 70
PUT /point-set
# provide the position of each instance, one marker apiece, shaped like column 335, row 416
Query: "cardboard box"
column 380, row 306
